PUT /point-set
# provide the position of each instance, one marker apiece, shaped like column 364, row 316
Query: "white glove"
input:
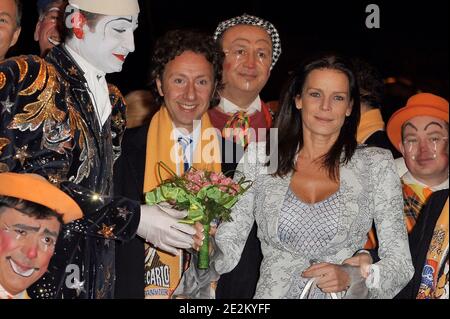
column 160, row 227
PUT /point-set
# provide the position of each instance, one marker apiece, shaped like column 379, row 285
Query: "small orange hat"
column 37, row 189
column 425, row 104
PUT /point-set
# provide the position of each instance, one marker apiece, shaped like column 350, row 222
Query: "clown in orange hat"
column 31, row 213
column 419, row 130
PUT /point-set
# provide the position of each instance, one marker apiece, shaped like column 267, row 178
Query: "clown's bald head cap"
column 107, row 7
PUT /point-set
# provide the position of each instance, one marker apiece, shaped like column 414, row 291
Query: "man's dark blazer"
column 420, row 239
column 128, row 182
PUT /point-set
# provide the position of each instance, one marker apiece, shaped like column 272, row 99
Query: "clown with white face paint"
column 107, row 46
column 73, row 137
column 99, row 44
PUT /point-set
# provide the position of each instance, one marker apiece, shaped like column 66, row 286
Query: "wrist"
column 362, row 251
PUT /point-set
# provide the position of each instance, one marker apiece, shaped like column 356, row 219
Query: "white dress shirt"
column 195, row 136
column 96, row 87
column 409, row 179
column 228, row 107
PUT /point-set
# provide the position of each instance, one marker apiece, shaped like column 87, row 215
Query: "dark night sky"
column 412, row 40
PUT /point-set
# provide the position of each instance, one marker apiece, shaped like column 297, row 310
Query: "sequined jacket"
column 48, row 125
column 370, row 190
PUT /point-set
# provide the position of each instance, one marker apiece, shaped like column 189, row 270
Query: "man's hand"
column 160, row 226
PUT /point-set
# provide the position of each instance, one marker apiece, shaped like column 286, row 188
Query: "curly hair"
column 173, row 44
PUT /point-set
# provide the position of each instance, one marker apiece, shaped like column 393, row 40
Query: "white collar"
column 97, row 86
column 84, row 65
column 6, row 295
column 226, row 106
column 408, row 178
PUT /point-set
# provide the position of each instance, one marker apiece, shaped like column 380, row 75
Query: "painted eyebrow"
column 431, row 123
column 412, row 125
column 118, row 19
column 26, row 227
column 130, row 20
column 265, row 41
column 248, row 41
column 240, row 39
column 35, row 229
column 50, row 233
column 123, row 18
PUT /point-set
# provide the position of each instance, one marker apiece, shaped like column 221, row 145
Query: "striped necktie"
column 237, row 128
column 184, row 143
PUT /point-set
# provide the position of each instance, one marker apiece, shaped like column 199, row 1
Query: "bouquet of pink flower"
column 205, row 195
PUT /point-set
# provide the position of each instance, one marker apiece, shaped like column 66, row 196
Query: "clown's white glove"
column 159, row 226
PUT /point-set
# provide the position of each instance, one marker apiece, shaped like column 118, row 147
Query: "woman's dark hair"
column 289, row 120
column 28, row 208
column 173, row 44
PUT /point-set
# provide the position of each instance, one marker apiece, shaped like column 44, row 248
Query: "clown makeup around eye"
column 241, row 52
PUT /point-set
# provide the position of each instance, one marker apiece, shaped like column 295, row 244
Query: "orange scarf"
column 414, row 198
column 371, row 122
column 163, row 271
column 162, row 146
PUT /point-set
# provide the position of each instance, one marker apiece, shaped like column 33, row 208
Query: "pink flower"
column 214, row 178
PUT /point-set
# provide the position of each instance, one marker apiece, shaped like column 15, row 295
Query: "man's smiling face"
column 26, row 246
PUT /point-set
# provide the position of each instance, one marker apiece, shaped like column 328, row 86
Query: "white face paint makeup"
column 248, row 59
column 241, row 53
column 108, row 45
column 239, row 56
column 425, row 149
column 21, row 271
column 412, row 145
column 409, row 150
